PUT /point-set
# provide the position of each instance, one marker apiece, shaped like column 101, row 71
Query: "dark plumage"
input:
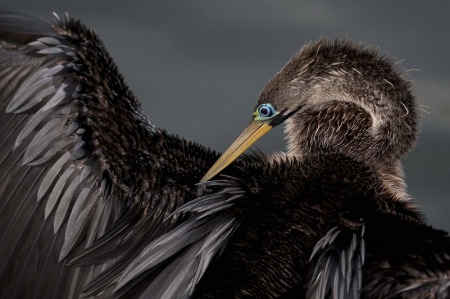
column 95, row 172
column 96, row 201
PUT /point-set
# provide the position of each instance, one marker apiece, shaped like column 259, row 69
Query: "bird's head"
column 336, row 97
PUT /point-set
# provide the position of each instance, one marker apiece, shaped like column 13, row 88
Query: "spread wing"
column 85, row 179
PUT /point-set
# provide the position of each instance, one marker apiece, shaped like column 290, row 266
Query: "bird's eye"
column 265, row 111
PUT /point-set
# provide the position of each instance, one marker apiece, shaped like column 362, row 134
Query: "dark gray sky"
column 198, row 66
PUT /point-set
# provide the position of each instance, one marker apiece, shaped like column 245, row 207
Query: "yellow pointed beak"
column 253, row 132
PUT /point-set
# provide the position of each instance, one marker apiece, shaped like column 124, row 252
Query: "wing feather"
column 181, row 256
column 338, row 260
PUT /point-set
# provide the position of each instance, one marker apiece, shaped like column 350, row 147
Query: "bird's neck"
column 348, row 128
column 393, row 181
column 391, row 176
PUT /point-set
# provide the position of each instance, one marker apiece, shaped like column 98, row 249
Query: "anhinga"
column 96, row 201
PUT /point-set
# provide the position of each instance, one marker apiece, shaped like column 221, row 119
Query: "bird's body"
column 364, row 223
column 96, row 201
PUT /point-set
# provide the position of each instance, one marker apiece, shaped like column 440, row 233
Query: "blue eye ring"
column 264, row 111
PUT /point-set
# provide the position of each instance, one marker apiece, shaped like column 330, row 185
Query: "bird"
column 95, row 201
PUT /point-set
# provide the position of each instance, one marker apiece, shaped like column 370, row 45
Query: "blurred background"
column 198, row 66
